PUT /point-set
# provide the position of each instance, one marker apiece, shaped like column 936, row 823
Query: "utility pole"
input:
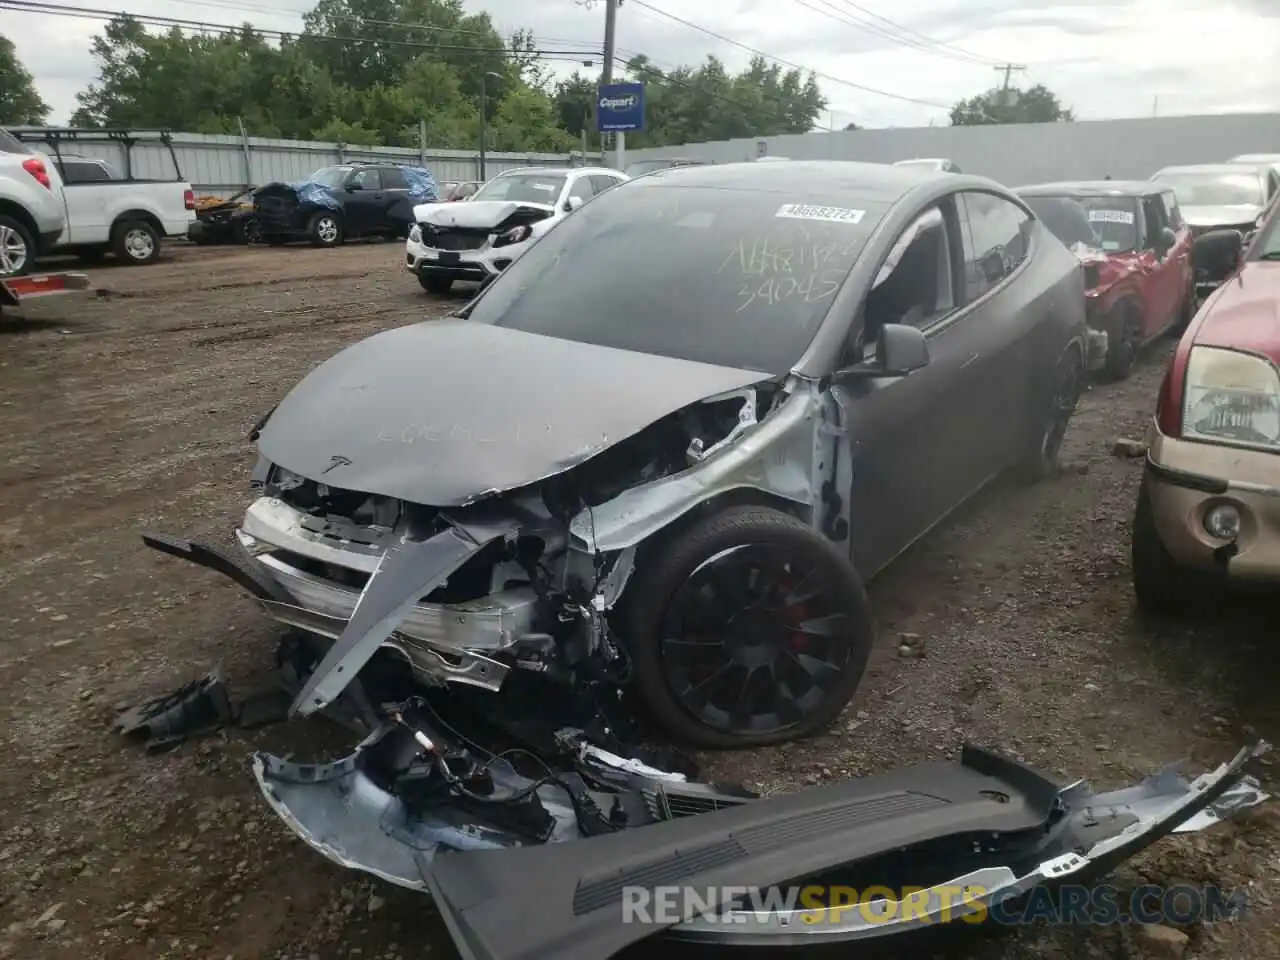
column 606, row 76
column 1007, row 70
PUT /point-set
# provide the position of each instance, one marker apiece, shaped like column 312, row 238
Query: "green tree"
column 20, row 104
column 372, row 72
column 685, row 105
column 1036, row 104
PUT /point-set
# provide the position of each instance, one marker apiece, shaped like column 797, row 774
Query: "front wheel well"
column 733, row 497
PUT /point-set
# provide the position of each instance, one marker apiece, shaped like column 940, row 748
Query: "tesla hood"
column 445, row 412
column 474, row 213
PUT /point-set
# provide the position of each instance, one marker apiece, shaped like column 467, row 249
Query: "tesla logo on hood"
column 335, row 462
column 619, row 103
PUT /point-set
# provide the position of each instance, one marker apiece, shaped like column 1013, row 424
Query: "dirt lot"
column 134, row 415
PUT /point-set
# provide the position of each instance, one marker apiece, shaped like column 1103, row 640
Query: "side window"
column 1154, row 213
column 77, row 171
column 367, row 179
column 393, row 179
column 1171, row 211
column 996, row 235
column 913, row 286
column 581, row 189
column 601, row 183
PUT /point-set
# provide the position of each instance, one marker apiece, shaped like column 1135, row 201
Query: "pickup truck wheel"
column 17, row 249
column 1161, row 587
column 135, row 242
column 748, row 628
column 325, row 230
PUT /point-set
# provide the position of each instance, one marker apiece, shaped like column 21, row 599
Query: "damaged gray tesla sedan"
column 662, row 452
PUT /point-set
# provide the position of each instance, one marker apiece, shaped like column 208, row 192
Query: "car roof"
column 1092, row 188
column 558, row 171
column 1213, row 168
column 851, row 178
column 1267, row 158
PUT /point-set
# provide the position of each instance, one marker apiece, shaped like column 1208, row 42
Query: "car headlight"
column 415, row 234
column 514, row 235
column 1231, row 397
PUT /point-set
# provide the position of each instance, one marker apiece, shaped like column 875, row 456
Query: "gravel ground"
column 1016, row 620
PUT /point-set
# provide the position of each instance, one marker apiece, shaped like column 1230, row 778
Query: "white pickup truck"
column 106, row 211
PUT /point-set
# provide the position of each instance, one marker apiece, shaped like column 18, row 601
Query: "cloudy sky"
column 1104, row 58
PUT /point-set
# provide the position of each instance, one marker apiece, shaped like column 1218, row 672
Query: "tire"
column 1123, row 339
column 709, row 552
column 135, row 242
column 17, row 248
column 245, row 231
column 436, row 285
column 1188, row 311
column 1056, row 410
column 1161, row 587
column 325, row 230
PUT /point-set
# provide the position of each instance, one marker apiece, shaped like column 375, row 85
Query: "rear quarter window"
column 11, row 144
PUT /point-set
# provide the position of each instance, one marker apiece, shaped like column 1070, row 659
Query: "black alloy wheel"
column 757, row 641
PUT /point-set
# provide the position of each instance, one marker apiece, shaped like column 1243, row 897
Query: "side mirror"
column 992, row 266
column 573, row 203
column 1216, row 254
column 1167, row 240
column 900, row 349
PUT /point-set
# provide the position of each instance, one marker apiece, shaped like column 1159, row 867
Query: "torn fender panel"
column 576, row 909
column 443, row 413
column 407, row 572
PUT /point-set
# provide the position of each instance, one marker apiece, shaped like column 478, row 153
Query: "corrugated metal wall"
column 224, row 164
column 1018, row 154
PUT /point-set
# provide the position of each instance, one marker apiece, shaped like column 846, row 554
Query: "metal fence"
column 1017, row 154
column 220, row 165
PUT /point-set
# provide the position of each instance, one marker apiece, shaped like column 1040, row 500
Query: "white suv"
column 478, row 238
column 32, row 213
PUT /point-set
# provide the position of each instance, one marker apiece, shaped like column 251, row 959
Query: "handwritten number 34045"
column 774, row 290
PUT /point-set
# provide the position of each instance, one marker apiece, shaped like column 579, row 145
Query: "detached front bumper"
column 1187, row 479
column 480, row 265
column 1049, row 835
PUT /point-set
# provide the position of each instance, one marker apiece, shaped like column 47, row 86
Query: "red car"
column 1209, row 504
column 1136, row 250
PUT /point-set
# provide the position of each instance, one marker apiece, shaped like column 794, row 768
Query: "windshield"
column 522, row 188
column 1215, row 189
column 331, row 177
column 1104, row 223
column 731, row 277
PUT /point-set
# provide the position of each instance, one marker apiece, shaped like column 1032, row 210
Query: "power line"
column 425, row 27
column 787, row 63
column 88, row 13
column 977, row 58
column 839, row 16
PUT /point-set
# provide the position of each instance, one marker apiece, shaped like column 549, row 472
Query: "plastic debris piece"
column 195, row 709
